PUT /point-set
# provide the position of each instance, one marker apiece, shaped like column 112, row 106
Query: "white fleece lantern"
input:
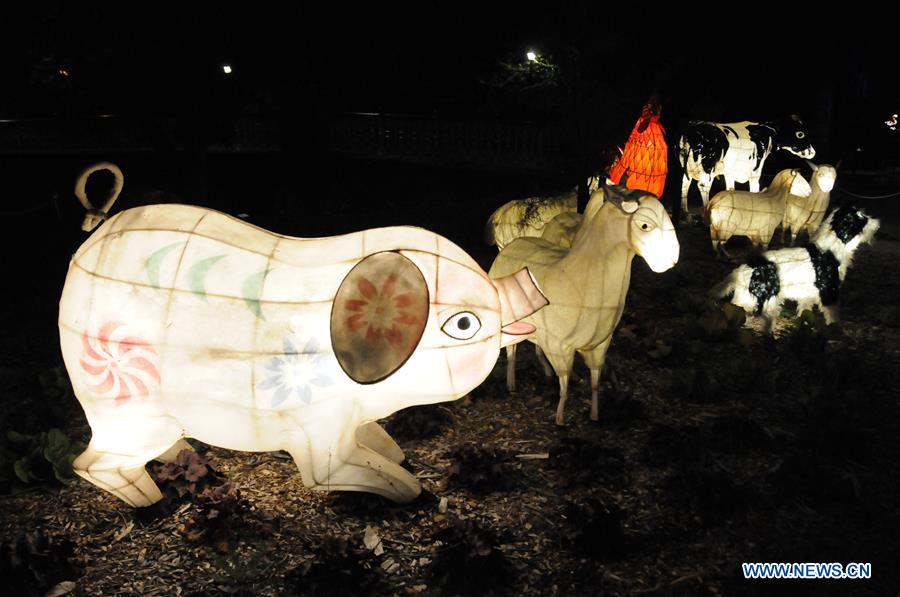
column 177, row 321
column 812, row 275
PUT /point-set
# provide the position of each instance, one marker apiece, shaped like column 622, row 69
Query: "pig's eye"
column 462, row 326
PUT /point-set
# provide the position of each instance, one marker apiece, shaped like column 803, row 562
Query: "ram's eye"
column 462, row 326
column 800, row 134
column 647, row 226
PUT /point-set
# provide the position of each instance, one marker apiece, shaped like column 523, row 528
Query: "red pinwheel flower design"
column 119, row 365
column 381, row 312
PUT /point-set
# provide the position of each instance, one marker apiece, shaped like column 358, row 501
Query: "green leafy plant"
column 41, row 457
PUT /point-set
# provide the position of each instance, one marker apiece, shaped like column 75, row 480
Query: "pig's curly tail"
column 94, row 216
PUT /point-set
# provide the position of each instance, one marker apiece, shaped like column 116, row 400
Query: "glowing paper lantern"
column 587, row 283
column 736, row 151
column 528, row 217
column 644, row 162
column 177, row 321
column 805, row 214
column 754, row 215
column 811, row 276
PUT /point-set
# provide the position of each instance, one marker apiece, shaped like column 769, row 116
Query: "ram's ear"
column 378, row 316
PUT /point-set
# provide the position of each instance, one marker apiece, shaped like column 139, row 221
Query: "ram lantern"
column 178, row 321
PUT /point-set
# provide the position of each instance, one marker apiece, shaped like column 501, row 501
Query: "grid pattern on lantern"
column 805, row 214
column 754, row 215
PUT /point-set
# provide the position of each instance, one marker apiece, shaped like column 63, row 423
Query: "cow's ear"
column 378, row 316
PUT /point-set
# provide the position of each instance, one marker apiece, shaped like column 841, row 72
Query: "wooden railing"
column 404, row 138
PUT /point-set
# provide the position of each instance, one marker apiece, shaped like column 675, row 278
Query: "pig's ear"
column 378, row 316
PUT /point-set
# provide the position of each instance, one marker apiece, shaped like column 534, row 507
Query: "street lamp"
column 531, row 55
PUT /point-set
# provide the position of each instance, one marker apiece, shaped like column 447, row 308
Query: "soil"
column 714, row 447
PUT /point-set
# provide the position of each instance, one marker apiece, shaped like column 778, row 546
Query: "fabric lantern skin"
column 805, row 214
column 587, row 282
column 811, row 276
column 736, row 151
column 178, row 321
column 530, row 216
column 643, row 164
column 754, row 215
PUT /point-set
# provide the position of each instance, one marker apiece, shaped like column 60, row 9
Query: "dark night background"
column 287, row 137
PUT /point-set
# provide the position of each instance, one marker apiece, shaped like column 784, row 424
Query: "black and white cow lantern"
column 736, row 151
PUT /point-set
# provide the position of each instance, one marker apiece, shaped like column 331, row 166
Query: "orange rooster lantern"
column 643, row 163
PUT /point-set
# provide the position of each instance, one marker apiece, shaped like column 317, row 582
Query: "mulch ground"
column 715, row 447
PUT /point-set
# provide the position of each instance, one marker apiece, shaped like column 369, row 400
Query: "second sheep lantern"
column 587, row 283
column 644, row 161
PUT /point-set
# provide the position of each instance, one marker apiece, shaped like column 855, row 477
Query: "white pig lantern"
column 177, row 321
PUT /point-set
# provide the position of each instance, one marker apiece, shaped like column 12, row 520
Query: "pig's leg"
column 374, row 437
column 511, row 367
column 170, row 454
column 123, row 475
column 333, row 459
column 120, row 448
column 365, row 470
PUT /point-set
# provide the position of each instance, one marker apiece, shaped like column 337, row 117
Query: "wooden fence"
column 447, row 142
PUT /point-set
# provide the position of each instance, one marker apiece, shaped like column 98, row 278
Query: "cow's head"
column 792, row 136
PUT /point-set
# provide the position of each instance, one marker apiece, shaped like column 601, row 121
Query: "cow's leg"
column 704, row 185
column 754, row 183
column 729, row 182
column 685, row 190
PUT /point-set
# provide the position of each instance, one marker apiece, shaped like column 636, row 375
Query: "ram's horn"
column 519, row 296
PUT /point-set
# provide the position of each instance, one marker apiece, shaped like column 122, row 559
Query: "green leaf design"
column 251, row 290
column 154, row 262
column 198, row 272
